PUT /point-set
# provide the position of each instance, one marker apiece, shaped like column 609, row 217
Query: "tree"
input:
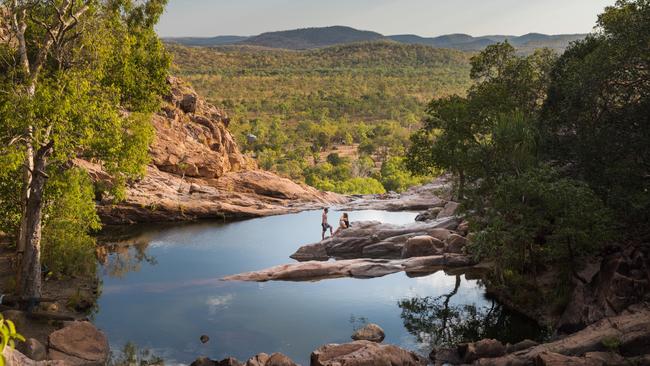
column 596, row 121
column 79, row 66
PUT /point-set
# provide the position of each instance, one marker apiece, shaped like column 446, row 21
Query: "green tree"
column 78, row 65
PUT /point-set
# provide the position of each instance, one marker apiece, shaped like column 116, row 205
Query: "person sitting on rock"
column 344, row 223
column 324, row 223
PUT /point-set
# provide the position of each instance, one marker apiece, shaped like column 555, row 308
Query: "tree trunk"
column 28, row 284
column 461, row 185
column 24, row 198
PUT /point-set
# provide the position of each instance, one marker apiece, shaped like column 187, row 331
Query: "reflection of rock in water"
column 435, row 322
column 118, row 259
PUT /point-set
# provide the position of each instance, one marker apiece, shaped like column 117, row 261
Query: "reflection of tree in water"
column 118, row 259
column 436, row 322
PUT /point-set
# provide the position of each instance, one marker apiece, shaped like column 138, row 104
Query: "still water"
column 161, row 291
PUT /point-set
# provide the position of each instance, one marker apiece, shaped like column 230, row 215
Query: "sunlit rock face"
column 197, row 171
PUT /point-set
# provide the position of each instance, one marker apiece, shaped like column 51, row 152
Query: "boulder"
column 230, row 361
column 456, row 244
column 80, row 340
column 463, row 228
column 370, row 332
column 364, row 353
column 556, row 359
column 14, row 357
column 33, row 349
column 278, row 359
column 188, row 103
column 203, row 361
column 485, row 348
column 449, row 210
column 258, row 360
column 520, row 346
column 420, row 246
column 428, row 215
column 440, row 233
column 204, row 339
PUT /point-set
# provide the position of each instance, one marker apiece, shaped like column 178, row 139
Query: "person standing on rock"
column 324, row 223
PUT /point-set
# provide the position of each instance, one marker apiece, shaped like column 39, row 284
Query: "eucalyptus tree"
column 80, row 78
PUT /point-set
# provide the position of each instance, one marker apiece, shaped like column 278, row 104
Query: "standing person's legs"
column 324, row 230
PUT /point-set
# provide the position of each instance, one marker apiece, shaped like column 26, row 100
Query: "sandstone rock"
column 230, row 361
column 362, row 353
column 358, row 268
column 456, row 244
column 520, row 346
column 15, row 357
column 439, row 233
column 203, row 361
column 555, row 359
column 425, row 197
column 485, row 348
column 463, row 228
column 278, row 359
column 607, row 358
column 445, row 356
column 420, row 246
column 33, row 349
column 449, row 210
column 81, row 340
column 70, row 360
column 369, row 332
column 258, row 360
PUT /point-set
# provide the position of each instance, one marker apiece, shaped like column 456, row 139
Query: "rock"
column 456, row 244
column 463, row 228
column 230, row 361
column 81, row 340
column 439, row 233
column 203, row 361
column 428, row 215
column 449, row 210
column 371, row 239
column 197, row 171
column 15, row 357
column 258, row 360
column 33, row 349
column 520, row 346
column 607, row 358
column 362, row 353
column 278, row 359
column 204, row 339
column 358, row 268
column 369, row 332
column 555, row 359
column 444, row 356
column 485, row 348
column 188, row 103
column 425, row 197
column 420, row 246
column 19, row 318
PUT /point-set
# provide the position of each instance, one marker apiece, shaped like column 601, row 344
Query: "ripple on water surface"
column 162, row 292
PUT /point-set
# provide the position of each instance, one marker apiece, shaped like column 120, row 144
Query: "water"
column 162, row 292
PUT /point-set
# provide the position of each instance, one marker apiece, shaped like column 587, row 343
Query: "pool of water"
column 162, row 292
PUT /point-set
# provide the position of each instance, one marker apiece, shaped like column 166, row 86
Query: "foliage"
column 539, row 218
column 8, row 337
column 396, row 177
column 132, row 356
column 597, row 116
column 67, row 247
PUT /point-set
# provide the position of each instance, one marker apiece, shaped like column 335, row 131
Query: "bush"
column 536, row 219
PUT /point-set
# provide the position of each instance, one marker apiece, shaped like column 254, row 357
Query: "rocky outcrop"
column 369, row 332
column 424, row 197
column 372, row 239
column 14, row 357
column 197, row 171
column 606, row 342
column 262, row 359
column 356, row 268
column 606, row 286
column 361, row 353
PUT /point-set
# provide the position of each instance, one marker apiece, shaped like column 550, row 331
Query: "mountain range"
column 310, row 38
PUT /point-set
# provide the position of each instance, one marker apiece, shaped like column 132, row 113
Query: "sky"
column 423, row 17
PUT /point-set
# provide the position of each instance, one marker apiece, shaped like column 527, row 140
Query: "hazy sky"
column 422, row 17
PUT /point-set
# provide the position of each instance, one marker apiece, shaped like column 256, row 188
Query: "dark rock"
column 370, row 332
column 203, row 361
column 188, row 103
column 485, row 348
column 556, row 359
column 428, row 215
column 204, row 339
column 33, row 349
column 443, row 356
column 230, row 361
column 520, row 346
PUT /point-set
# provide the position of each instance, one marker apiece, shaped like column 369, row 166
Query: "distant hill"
column 308, row 38
column 311, row 38
column 206, row 41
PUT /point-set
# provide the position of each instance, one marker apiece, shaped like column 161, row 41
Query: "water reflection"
column 435, row 321
column 118, row 260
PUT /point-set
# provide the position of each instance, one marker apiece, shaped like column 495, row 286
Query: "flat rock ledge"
column 357, row 268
